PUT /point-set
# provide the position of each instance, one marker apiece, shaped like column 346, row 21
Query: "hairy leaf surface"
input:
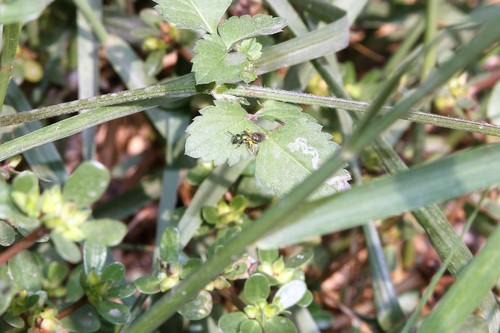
column 213, row 63
column 193, row 14
column 236, row 29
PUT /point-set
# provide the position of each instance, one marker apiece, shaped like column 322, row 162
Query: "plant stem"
column 181, row 87
column 23, row 244
column 10, row 39
column 362, row 107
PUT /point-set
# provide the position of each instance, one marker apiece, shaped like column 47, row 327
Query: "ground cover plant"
column 248, row 166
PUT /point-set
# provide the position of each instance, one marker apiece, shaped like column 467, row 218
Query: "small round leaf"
column 68, row 250
column 115, row 313
column 25, row 271
column 198, row 308
column 113, row 272
column 250, row 326
column 279, row 325
column 7, row 234
column 231, row 322
column 84, row 320
column 94, row 256
column 148, row 285
column 86, row 184
column 290, row 293
column 256, row 289
column 105, row 231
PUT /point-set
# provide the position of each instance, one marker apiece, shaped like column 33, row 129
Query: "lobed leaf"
column 212, row 62
column 210, row 134
column 291, row 153
column 193, row 14
column 236, row 29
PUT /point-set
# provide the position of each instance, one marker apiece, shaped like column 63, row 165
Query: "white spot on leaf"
column 300, row 144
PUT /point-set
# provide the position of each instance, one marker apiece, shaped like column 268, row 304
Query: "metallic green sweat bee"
column 251, row 139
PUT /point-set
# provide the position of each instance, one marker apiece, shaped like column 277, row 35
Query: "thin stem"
column 10, row 39
column 181, row 87
column 23, row 244
column 362, row 107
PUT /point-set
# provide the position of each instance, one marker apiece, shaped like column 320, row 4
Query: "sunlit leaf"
column 213, row 63
column 236, row 29
column 210, row 135
column 193, row 14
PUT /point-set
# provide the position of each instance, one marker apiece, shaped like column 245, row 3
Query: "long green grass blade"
column 467, row 292
column 45, row 160
column 362, row 107
column 434, row 182
column 88, row 70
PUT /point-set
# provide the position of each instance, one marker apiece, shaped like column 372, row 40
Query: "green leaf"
column 290, row 293
column 7, row 290
column 291, row 153
column 198, row 308
column 210, row 135
column 301, row 258
column 94, row 256
column 193, row 14
column 256, row 289
column 84, row 319
column 250, row 326
column 230, row 322
column 7, row 234
column 236, row 29
column 26, row 272
column 419, row 186
column 148, row 284
column 279, row 325
column 57, row 272
column 306, row 300
column 13, row 320
column 25, row 193
column 75, row 290
column 268, row 256
column 113, row 272
column 115, row 313
column 238, row 203
column 68, row 250
column 21, row 11
column 121, row 291
column 282, row 112
column 86, row 184
column 105, row 231
column 190, row 266
column 210, row 214
column 170, row 245
column 212, row 62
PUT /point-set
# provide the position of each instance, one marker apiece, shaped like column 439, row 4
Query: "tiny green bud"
column 251, row 311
